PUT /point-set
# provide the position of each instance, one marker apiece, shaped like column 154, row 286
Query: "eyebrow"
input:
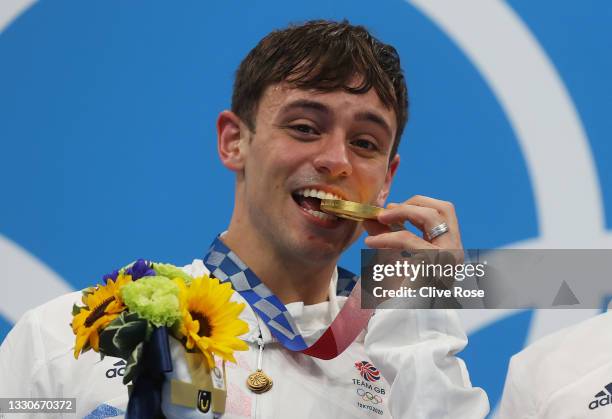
column 307, row 104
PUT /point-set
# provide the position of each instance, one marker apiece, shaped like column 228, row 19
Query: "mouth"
column 309, row 199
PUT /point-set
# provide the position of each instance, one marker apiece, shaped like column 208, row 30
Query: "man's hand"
column 424, row 213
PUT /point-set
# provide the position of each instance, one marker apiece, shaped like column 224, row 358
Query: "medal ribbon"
column 225, row 265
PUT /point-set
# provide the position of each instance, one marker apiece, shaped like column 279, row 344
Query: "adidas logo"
column 603, row 398
column 119, row 370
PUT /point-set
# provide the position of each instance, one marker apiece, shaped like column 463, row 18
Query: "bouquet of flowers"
column 137, row 309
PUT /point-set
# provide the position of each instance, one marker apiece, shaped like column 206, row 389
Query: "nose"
column 333, row 157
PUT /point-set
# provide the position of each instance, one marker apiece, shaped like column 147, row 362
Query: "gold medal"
column 258, row 382
column 350, row 210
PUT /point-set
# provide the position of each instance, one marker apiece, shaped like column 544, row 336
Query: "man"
column 317, row 109
column 565, row 375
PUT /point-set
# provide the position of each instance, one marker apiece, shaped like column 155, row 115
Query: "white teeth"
column 321, row 215
column 315, row 193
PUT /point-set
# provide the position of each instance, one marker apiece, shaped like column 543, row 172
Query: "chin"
column 318, row 250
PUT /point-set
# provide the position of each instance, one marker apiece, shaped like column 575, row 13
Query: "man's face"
column 311, row 143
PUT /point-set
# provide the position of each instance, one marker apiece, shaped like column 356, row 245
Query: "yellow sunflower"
column 102, row 305
column 209, row 320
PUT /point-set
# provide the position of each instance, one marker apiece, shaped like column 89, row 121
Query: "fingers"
column 445, row 208
column 424, row 213
column 374, row 228
column 404, row 240
column 421, row 217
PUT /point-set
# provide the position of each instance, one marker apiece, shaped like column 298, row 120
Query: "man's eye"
column 304, row 129
column 365, row 144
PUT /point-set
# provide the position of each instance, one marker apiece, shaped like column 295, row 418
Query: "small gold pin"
column 258, row 382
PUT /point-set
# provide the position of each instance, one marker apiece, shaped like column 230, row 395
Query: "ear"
column 231, row 132
column 384, row 192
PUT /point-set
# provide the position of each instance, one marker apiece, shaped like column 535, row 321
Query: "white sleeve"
column 516, row 402
column 22, row 355
column 415, row 351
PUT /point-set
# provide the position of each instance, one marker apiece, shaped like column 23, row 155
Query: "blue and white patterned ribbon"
column 225, row 265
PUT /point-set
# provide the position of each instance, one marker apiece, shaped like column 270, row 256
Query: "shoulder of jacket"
column 586, row 337
column 57, row 308
column 584, row 346
column 43, row 332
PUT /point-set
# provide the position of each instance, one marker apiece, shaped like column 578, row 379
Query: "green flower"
column 154, row 298
column 171, row 271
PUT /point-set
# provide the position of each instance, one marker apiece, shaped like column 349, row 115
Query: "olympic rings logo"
column 366, row 396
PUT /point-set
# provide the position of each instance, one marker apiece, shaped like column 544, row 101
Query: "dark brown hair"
column 326, row 56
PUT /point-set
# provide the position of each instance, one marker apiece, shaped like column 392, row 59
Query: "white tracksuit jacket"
column 414, row 350
column 565, row 375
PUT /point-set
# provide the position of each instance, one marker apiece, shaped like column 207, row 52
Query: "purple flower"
column 139, row 269
column 113, row 275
